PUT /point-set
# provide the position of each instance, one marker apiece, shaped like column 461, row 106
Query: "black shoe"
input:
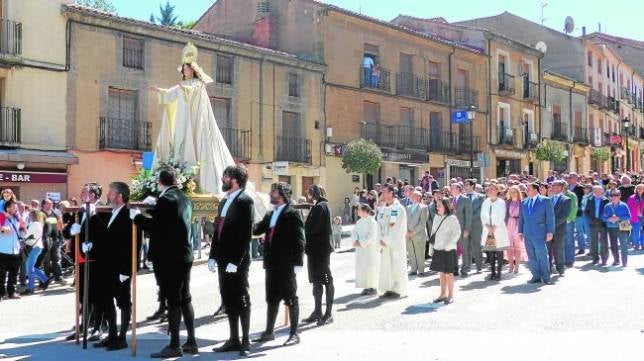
column 44, row 286
column 561, row 273
column 293, row 339
column 118, row 344
column 220, row 311
column 190, row 348
column 155, row 316
column 548, row 282
column 230, row 345
column 168, row 352
column 245, row 349
column 464, row 274
column 315, row 317
column 569, row 265
column 394, row 295
column 386, row 295
column 439, row 300
column 94, row 337
column 71, row 337
column 534, row 280
column 448, row 301
column 580, row 253
column 371, row 291
column 616, row 263
column 412, row 274
column 325, row 320
column 26, row 292
column 265, row 337
column 595, row 262
column 107, row 341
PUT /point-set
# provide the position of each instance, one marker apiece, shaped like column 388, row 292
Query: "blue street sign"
column 148, row 158
column 459, row 117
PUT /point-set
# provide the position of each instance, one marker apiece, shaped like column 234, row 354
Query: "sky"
column 617, row 17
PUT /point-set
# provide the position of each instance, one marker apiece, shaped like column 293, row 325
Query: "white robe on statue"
column 365, row 232
column 189, row 133
column 392, row 227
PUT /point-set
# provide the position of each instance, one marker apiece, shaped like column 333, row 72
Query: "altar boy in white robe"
column 392, row 228
column 365, row 240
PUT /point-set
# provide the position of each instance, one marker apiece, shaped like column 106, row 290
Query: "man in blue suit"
column 536, row 226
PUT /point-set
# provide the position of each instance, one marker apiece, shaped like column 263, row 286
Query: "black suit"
column 318, row 252
column 597, row 229
column 230, row 245
column 557, row 247
column 171, row 254
column 283, row 251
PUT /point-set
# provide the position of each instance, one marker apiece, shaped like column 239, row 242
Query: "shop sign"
column 32, row 177
column 280, row 168
column 404, row 157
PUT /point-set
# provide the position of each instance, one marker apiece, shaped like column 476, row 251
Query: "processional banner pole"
column 77, row 283
column 86, row 278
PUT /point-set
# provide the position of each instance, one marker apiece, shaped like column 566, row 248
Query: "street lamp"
column 471, row 114
column 626, row 123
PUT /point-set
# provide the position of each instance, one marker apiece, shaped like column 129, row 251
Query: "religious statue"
column 189, row 132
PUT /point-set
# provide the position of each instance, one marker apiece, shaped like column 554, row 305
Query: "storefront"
column 35, row 185
column 458, row 168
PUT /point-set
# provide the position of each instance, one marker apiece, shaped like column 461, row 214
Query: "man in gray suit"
column 477, row 227
column 417, row 214
column 462, row 207
column 557, row 247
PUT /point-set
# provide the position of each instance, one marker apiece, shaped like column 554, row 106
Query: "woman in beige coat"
column 493, row 220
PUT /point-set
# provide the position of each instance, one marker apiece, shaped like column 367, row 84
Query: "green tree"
column 550, row 152
column 361, row 156
column 166, row 15
column 103, row 5
column 186, row 25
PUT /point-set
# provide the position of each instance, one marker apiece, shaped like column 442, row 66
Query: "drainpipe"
column 260, row 155
column 449, row 80
column 489, row 91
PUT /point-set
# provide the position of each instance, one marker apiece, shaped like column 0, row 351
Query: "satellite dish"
column 542, row 47
column 569, row 25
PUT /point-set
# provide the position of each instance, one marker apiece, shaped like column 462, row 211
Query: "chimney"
column 262, row 25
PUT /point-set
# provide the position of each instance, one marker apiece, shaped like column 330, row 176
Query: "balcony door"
column 121, row 130
column 407, row 134
column 371, row 117
column 436, row 122
column 406, row 74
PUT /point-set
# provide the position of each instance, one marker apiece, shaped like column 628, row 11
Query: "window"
column 613, row 73
column 599, row 66
column 371, row 112
column 293, row 85
column 291, row 125
column 122, row 104
column 577, row 119
column 607, row 70
column 434, row 70
column 590, row 59
column 556, row 113
column 224, row 69
column 120, row 128
column 132, row 53
column 221, row 110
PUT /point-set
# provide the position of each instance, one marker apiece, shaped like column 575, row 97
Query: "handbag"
column 624, row 226
column 490, row 241
column 432, row 238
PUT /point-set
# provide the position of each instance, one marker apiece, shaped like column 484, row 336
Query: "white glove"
column 134, row 212
column 86, row 247
column 212, row 265
column 231, row 268
column 150, row 201
column 75, row 229
column 298, row 269
column 123, row 278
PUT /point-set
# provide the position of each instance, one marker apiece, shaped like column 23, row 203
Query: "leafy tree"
column 103, row 5
column 601, row 154
column 166, row 15
column 186, row 25
column 361, row 156
column 550, row 152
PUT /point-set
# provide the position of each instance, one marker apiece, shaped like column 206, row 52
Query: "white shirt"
column 367, row 62
column 115, row 212
column 276, row 215
column 229, row 199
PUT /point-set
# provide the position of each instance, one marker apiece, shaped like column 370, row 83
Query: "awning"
column 37, row 156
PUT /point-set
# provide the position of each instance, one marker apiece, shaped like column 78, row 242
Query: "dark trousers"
column 53, row 260
column 618, row 245
column 496, row 262
column 598, row 242
column 281, row 284
column 9, row 265
column 557, row 249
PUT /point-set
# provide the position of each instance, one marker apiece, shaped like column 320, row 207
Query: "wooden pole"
column 77, row 281
column 135, row 262
column 86, row 278
column 286, row 315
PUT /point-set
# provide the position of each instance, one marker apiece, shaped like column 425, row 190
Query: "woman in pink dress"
column 516, row 253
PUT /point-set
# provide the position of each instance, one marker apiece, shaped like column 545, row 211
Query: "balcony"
column 594, row 98
column 411, row 85
column 631, row 132
column 606, row 139
column 506, row 84
column 438, row 91
column 581, row 135
column 290, row 149
column 127, row 134
column 530, row 139
column 603, row 101
column 10, row 38
column 641, row 133
column 466, row 98
column 626, row 94
column 396, row 136
column 10, row 127
column 530, row 90
column 378, row 82
column 453, row 143
column 238, row 141
column 611, row 104
column 506, row 136
column 559, row 130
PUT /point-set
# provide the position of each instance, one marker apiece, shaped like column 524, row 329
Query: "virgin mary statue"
column 189, row 131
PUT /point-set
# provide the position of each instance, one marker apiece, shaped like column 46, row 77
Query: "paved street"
column 592, row 313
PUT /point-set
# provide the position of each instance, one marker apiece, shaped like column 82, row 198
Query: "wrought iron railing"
column 10, row 126
column 506, row 135
column 466, row 98
column 506, row 83
column 380, row 80
column 559, row 130
column 594, row 97
column 10, row 37
column 292, row 149
column 438, row 91
column 530, row 89
column 238, row 141
column 116, row 133
column 580, row 135
column 412, row 85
